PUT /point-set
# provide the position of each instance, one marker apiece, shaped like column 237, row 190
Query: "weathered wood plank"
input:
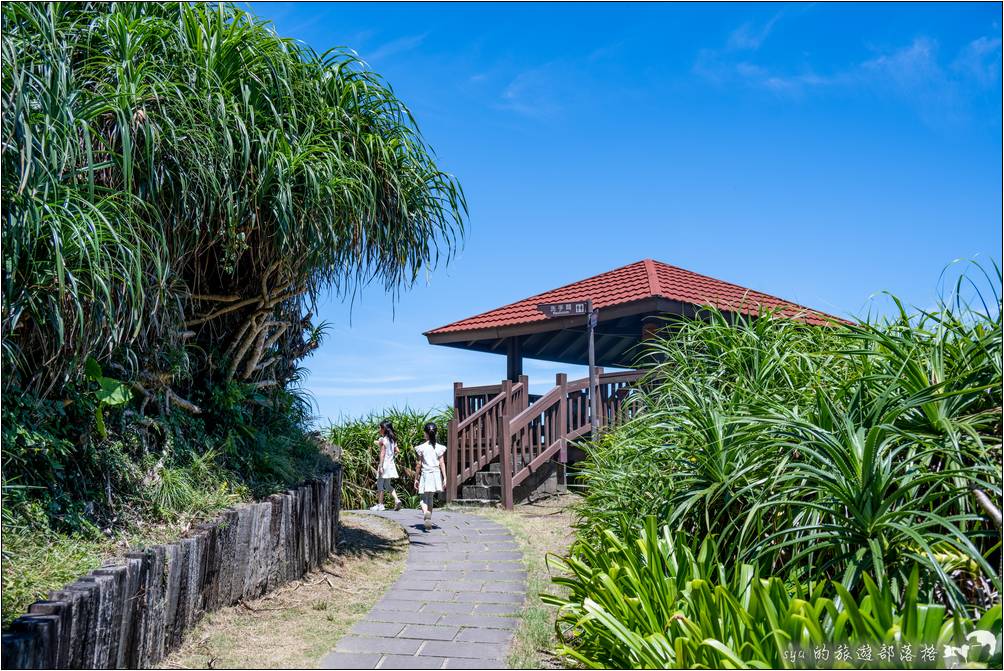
column 114, row 606
column 44, row 630
column 130, row 614
column 21, row 650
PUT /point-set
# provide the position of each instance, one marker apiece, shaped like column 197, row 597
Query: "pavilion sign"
column 581, row 309
column 571, row 309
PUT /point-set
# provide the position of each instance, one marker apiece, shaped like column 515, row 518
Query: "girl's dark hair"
column 430, row 433
column 388, row 430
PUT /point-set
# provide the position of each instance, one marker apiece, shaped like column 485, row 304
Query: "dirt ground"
column 294, row 626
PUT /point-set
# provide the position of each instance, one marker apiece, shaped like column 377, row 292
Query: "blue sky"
column 822, row 153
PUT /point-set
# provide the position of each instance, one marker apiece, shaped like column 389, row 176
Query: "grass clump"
column 648, row 600
column 838, row 462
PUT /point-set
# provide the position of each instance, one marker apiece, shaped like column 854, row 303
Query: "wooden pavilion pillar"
column 452, row 448
column 513, row 358
column 561, row 380
column 505, row 456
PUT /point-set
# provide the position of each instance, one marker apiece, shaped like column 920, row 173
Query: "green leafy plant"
column 110, row 393
column 648, row 600
column 181, row 184
column 823, row 453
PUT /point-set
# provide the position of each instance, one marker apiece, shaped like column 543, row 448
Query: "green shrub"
column 649, row 600
column 824, row 453
column 181, row 184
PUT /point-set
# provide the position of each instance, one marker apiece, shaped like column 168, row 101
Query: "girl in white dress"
column 430, row 477
column 386, row 468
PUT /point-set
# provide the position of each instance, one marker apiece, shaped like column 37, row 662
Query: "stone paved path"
column 453, row 607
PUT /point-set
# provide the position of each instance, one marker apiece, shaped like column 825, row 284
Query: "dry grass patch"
column 294, row 626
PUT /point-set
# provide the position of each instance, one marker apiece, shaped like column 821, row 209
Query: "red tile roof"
column 638, row 281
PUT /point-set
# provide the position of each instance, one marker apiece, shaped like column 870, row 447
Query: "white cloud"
column 914, row 73
column 980, row 60
column 750, row 36
column 394, row 47
column 531, row 93
column 908, row 67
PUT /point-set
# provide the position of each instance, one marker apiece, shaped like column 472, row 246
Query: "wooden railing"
column 478, row 428
column 468, row 400
column 531, row 433
column 561, row 415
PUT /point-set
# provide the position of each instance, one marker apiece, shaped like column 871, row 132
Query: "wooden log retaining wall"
column 132, row 613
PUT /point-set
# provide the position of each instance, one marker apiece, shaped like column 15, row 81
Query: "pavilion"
column 632, row 302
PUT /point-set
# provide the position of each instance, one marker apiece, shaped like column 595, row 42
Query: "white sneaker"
column 378, row 507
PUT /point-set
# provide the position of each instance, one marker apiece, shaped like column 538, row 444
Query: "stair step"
column 477, row 503
column 481, row 492
column 488, row 478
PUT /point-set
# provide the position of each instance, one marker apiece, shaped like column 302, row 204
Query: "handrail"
column 470, row 419
column 535, row 408
column 524, row 435
column 477, row 391
column 605, row 378
column 488, row 406
column 623, row 376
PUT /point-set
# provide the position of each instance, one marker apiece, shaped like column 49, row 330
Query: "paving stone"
column 490, row 621
column 497, row 608
column 397, row 605
column 489, row 597
column 366, row 628
column 383, row 645
column 460, row 663
column 431, row 632
column 349, row 660
column 482, row 635
column 460, row 585
column 432, row 575
column 448, row 607
column 501, row 554
column 459, row 649
column 411, row 662
column 419, row 595
column 401, row 617
column 513, row 586
column 504, row 575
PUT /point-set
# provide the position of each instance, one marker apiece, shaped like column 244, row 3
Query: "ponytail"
column 430, row 433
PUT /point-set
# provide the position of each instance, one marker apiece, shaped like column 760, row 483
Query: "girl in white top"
column 386, row 468
column 430, row 476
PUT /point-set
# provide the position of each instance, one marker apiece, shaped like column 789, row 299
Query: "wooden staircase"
column 500, row 436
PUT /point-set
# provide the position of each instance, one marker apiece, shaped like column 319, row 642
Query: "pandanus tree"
column 180, row 185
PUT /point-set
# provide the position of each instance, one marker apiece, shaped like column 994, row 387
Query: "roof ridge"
column 654, row 287
column 746, row 290
column 633, row 282
column 550, row 291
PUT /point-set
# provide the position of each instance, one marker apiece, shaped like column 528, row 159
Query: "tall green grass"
column 180, row 185
column 360, row 454
column 847, row 454
column 653, row 599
